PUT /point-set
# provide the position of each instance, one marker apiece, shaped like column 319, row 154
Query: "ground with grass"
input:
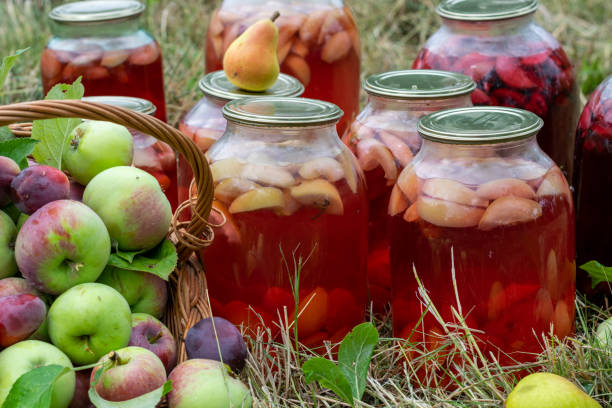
column 392, row 31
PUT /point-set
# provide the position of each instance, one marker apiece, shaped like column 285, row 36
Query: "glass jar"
column 204, row 123
column 514, row 62
column 102, row 42
column 318, row 43
column 485, row 218
column 384, row 139
column 593, row 187
column 287, row 189
column 151, row 155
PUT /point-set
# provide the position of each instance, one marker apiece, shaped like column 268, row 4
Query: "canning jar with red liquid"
column 318, row 43
column 151, row 155
column 384, row 140
column 593, row 187
column 514, row 62
column 204, row 123
column 102, row 42
column 287, row 188
column 485, row 219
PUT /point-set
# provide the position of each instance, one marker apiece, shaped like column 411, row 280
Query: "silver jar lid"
column 217, row 85
column 281, row 112
column 481, row 10
column 479, row 125
column 419, row 84
column 134, row 104
column 96, row 11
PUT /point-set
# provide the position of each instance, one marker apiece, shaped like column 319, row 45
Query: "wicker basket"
column 188, row 299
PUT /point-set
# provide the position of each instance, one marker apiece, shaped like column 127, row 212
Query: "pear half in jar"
column 495, row 189
column 371, row 153
column 509, row 210
column 258, row 199
column 322, row 167
column 319, row 193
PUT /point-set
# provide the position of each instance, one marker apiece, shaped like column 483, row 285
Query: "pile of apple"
column 71, row 308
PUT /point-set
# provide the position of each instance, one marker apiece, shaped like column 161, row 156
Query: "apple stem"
column 275, row 16
column 155, row 338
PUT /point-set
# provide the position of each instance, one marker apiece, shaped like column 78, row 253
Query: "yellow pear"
column 250, row 62
column 546, row 390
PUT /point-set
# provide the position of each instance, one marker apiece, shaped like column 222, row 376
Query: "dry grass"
column 392, row 31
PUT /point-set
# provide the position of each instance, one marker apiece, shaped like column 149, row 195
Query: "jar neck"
column 425, row 105
column 489, row 27
column 335, row 3
column 292, row 136
column 117, row 28
column 524, row 148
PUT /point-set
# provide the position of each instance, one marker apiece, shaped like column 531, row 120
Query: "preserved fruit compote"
column 318, row 43
column 384, row 139
column 593, row 187
column 204, row 123
column 287, row 188
column 485, row 218
column 151, row 155
column 514, row 62
column 102, row 42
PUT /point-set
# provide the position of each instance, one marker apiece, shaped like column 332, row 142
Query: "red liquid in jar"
column 318, row 46
column 134, row 72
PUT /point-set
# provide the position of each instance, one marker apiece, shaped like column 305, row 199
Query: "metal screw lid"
column 134, row 104
column 419, row 84
column 95, row 11
column 479, row 125
column 281, row 112
column 217, row 85
column 483, row 10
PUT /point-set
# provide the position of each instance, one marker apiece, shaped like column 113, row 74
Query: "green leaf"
column 6, row 134
column 597, row 272
column 18, row 149
column 127, row 255
column 149, row 400
column 355, row 355
column 7, row 64
column 159, row 261
column 329, row 376
column 34, row 388
column 53, row 133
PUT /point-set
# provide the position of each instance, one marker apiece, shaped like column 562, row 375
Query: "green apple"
column 88, row 321
column 604, row 332
column 133, row 206
column 546, row 390
column 95, row 146
column 144, row 292
column 28, row 355
column 8, row 233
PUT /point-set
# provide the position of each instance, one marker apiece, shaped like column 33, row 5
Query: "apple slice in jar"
column 553, row 184
column 145, row 55
column 261, row 198
column 562, row 321
column 454, row 191
column 397, row 201
column 336, row 47
column 268, row 174
column 226, row 168
column 113, row 58
column 411, row 214
column 399, row 149
column 495, row 189
column 230, row 188
column 371, row 153
column 309, row 31
column 408, row 182
column 448, row 214
column 509, row 210
column 319, row 193
column 298, row 67
column 322, row 167
column 346, row 161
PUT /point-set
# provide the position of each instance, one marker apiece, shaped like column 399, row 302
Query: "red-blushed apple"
column 204, row 341
column 134, row 371
column 150, row 333
column 18, row 286
column 95, row 146
column 8, row 170
column 144, row 292
column 197, row 381
column 88, row 321
column 36, row 186
column 62, row 245
column 76, row 191
column 28, row 355
column 8, row 234
column 81, row 390
column 133, row 206
column 20, row 316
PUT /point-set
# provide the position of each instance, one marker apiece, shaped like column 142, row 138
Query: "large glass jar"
column 384, row 139
column 292, row 202
column 593, row 187
column 514, row 62
column 102, row 42
column 204, row 123
column 485, row 218
column 318, row 43
column 151, row 155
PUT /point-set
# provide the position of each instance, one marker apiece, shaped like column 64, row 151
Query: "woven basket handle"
column 49, row 109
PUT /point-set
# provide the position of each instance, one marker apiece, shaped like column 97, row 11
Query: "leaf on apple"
column 18, row 149
column 159, row 261
column 149, row 400
column 34, row 388
column 53, row 133
column 597, row 272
